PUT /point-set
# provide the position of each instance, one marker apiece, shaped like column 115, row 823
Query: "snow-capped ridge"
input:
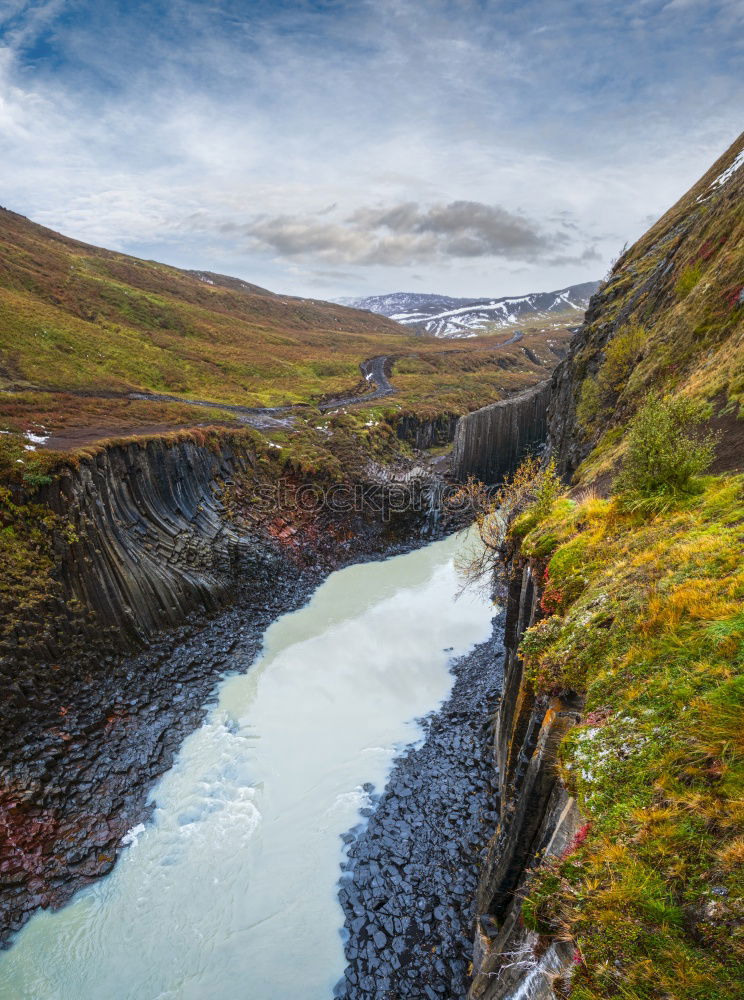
column 448, row 317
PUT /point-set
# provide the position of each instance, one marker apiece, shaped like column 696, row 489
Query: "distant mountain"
column 443, row 316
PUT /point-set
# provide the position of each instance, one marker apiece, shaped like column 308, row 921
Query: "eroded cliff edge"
column 158, row 566
column 538, row 818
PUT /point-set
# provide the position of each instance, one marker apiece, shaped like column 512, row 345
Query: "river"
column 230, row 891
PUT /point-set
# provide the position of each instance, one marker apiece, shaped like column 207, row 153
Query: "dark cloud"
column 409, row 233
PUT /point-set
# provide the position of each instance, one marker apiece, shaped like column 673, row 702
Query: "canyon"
column 504, row 848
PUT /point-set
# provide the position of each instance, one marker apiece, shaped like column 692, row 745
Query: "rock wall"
column 152, row 543
column 423, row 433
column 566, row 443
column 137, row 540
column 490, row 442
column 537, row 818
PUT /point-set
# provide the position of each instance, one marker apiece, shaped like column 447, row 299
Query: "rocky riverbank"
column 85, row 750
column 84, row 742
column 410, row 876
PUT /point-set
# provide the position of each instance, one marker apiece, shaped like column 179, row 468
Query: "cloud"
column 404, row 234
column 589, row 255
column 729, row 12
column 330, row 146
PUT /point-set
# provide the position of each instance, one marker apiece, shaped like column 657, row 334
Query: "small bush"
column 529, row 493
column 547, row 489
column 666, row 449
column 621, row 355
column 590, row 402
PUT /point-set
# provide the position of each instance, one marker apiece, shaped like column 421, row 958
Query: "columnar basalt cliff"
column 152, row 540
column 537, row 816
column 139, row 540
column 168, row 559
column 490, row 442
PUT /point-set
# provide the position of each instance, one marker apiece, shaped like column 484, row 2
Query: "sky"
column 335, row 148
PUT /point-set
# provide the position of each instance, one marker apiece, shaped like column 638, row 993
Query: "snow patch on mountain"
column 447, row 317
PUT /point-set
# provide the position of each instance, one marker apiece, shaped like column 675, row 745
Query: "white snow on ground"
column 562, row 299
column 444, row 317
column 461, row 322
column 729, row 172
column 34, row 439
column 723, row 177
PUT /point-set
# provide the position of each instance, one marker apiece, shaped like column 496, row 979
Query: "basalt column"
column 490, row 442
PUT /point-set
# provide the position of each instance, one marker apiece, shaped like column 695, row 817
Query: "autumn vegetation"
column 641, row 616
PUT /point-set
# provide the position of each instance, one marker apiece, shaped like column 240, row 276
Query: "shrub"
column 527, row 494
column 547, row 488
column 666, row 448
column 621, row 355
column 590, row 402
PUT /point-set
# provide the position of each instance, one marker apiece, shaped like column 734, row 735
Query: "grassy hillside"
column 642, row 612
column 81, row 327
column 670, row 319
column 76, row 316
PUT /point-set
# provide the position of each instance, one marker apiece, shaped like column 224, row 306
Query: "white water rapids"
column 229, row 893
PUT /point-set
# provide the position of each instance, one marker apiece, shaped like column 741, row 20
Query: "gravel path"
column 410, row 876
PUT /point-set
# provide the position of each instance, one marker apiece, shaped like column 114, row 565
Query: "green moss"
column 29, row 591
column 525, row 523
column 569, row 560
column 655, row 640
column 688, row 280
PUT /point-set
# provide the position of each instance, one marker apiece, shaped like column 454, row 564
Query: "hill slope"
column 670, row 319
column 89, row 337
column 631, row 668
column 81, row 317
column 447, row 317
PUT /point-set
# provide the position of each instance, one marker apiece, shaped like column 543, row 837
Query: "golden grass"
column 655, row 638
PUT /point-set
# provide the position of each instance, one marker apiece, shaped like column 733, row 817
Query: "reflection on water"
column 230, row 892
